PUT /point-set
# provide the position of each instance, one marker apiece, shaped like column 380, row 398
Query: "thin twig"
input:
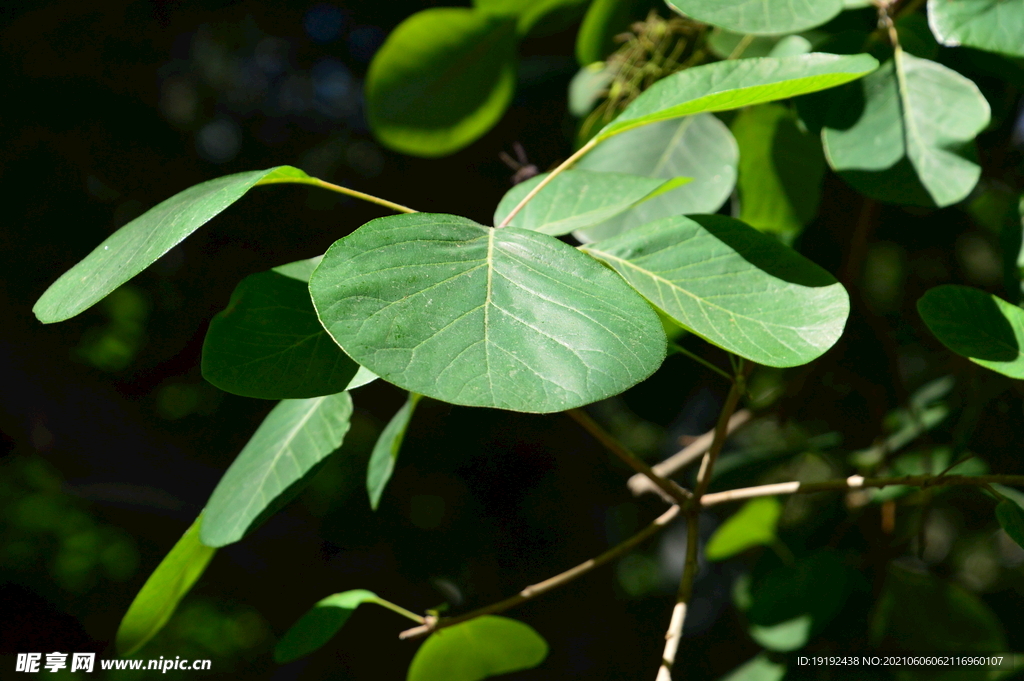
column 558, row 580
column 317, row 182
column 697, row 358
column 640, row 484
column 670, row 489
column 721, row 430
column 550, row 176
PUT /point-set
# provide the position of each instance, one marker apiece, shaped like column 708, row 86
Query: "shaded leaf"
column 577, row 199
column 385, row 451
column 441, row 80
column 785, row 636
column 587, row 87
column 760, row 16
column 280, row 457
column 993, row 25
column 732, row 285
column 753, row 525
column 724, row 44
column 780, row 172
column 320, row 624
column 977, row 325
column 698, row 146
column 477, row 649
column 535, row 16
column 760, row 668
column 604, row 20
column 506, row 318
column 268, row 342
column 912, row 109
column 160, row 595
column 725, row 85
column 1011, row 519
column 142, row 241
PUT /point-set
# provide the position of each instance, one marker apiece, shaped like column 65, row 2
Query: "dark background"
column 112, row 442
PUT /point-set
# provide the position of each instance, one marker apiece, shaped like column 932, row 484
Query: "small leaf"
column 477, row 649
column 160, row 595
column 732, row 285
column 507, row 318
column 142, row 241
column 441, row 80
column 698, row 146
column 280, row 457
column 535, row 17
column 912, row 109
column 760, row 16
column 979, row 326
column 752, row 525
column 268, row 342
column 785, row 636
column 385, row 451
column 1011, row 519
column 320, row 624
column 587, row 87
column 995, row 26
column 577, row 199
column 780, row 172
column 759, row 668
column 725, row 85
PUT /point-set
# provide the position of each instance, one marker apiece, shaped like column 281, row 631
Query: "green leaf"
column 604, row 20
column 268, row 342
column 160, row 595
column 698, row 146
column 919, row 613
column 760, row 16
column 477, row 649
column 320, row 624
column 759, row 668
column 1011, row 519
column 385, row 451
column 277, row 461
column 992, row 25
column 725, row 85
column 442, row 306
column 577, row 199
column 977, row 325
column 588, row 86
column 752, row 525
column 441, row 80
column 535, row 14
column 142, row 241
column 724, row 44
column 780, row 173
column 785, row 636
column 915, row 109
column 733, row 286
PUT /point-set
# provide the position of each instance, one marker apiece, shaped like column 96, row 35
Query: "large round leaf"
column 508, row 318
column 915, row 109
column 698, row 146
column 760, row 16
column 441, row 80
column 980, row 326
column 268, row 342
column 993, row 25
column 734, row 286
column 482, row 647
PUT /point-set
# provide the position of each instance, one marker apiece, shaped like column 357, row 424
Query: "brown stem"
column 539, row 588
column 721, row 431
column 671, row 490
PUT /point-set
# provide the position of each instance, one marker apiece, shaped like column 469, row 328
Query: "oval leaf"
column 913, row 109
column 268, row 342
column 734, row 84
column 441, row 80
column 759, row 668
column 577, row 199
column 784, row 636
column 320, row 624
column 547, row 16
column 442, row 306
column 760, row 16
column 385, row 451
column 280, row 457
column 160, row 595
column 1011, row 519
column 698, row 146
column 979, row 326
column 996, row 26
column 753, row 525
column 142, row 241
column 480, row 648
column 732, row 285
